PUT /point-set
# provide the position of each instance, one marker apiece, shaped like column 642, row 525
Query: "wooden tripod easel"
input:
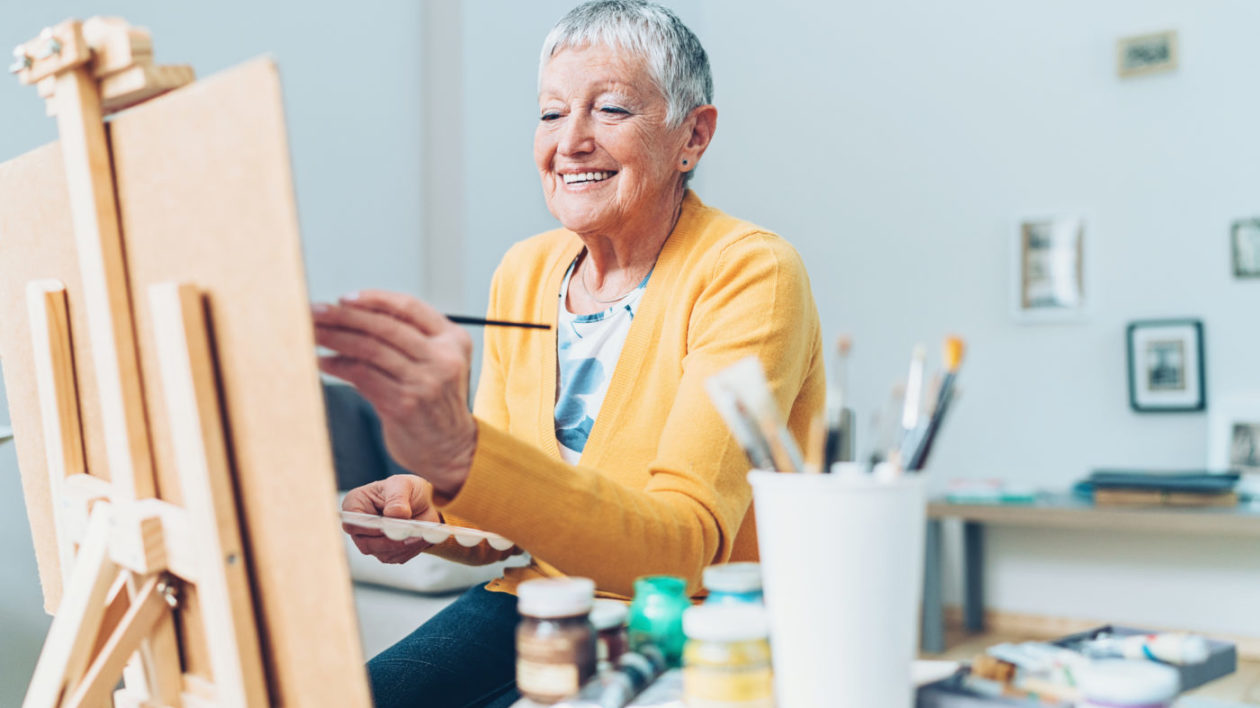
column 129, row 557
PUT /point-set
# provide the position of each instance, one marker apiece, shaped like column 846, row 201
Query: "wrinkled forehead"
column 596, row 63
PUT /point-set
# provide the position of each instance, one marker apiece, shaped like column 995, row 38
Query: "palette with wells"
column 430, row 531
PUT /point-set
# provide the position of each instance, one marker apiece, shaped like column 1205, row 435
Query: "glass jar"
column 733, row 582
column 555, row 642
column 609, row 620
column 726, row 663
column 656, row 616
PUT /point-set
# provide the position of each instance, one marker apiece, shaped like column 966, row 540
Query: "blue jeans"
column 464, row 657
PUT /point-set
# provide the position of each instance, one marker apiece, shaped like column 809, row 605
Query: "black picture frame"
column 1166, row 366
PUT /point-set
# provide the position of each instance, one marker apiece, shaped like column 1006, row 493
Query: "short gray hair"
column 675, row 60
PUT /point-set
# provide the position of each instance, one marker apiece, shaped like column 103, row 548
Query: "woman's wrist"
column 449, row 477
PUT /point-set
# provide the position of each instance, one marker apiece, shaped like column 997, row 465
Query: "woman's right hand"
column 402, row 496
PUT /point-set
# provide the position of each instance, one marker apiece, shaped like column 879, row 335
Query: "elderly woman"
column 593, row 446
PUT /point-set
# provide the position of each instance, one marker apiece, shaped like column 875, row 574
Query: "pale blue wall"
column 895, row 143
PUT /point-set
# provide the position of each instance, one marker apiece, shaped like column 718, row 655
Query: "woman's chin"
column 586, row 220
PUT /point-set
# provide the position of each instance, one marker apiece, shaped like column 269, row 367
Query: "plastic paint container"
column 733, row 582
column 1116, row 683
column 726, row 663
column 609, row 620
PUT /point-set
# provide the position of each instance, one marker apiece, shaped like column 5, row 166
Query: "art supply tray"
column 952, row 692
column 431, row 531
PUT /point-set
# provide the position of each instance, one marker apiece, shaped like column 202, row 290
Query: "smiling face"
column 609, row 165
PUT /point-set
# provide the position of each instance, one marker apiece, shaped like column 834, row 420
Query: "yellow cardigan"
column 661, row 487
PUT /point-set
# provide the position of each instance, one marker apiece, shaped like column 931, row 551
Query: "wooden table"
column 1049, row 511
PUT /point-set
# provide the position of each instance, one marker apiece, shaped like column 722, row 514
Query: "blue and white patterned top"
column 587, row 349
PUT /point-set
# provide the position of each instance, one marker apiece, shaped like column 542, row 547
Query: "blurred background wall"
column 895, row 143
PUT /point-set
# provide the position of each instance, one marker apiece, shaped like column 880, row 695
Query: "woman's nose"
column 577, row 135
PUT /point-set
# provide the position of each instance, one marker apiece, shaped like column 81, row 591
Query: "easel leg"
column 74, row 628
column 147, row 609
column 188, row 379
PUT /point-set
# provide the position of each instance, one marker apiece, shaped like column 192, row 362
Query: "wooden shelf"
column 1062, row 511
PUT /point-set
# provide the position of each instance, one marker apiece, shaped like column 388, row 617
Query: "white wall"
column 352, row 81
column 895, row 143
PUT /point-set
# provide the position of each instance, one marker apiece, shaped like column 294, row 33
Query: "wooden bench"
column 1050, row 511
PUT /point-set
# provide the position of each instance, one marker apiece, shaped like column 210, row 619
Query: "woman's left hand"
column 412, row 364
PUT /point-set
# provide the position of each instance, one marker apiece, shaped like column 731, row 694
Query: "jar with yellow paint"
column 726, row 662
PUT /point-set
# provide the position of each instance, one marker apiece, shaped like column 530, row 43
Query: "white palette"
column 430, row 531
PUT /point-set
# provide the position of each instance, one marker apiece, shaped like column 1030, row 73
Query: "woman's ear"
column 700, row 126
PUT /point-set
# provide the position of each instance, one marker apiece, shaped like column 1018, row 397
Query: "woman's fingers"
column 374, row 384
column 387, row 551
column 394, row 332
column 403, row 307
column 352, row 344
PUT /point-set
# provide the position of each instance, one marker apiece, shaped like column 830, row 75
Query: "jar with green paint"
column 656, row 616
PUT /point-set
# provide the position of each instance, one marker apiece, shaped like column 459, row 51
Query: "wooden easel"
column 154, row 574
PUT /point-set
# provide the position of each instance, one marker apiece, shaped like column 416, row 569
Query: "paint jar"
column 726, row 663
column 1117, row 683
column 656, row 616
column 733, row 582
column 555, row 642
column 609, row 619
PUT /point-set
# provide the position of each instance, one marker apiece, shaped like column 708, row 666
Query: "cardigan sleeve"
column 756, row 301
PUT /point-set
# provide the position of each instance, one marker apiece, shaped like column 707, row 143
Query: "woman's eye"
column 549, row 116
column 615, row 110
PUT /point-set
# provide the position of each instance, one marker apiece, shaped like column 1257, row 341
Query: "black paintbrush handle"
column 919, row 459
column 461, row 319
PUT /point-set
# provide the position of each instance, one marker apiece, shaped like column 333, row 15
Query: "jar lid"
column 608, row 614
column 726, row 623
column 1121, row 682
column 733, row 577
column 660, row 584
column 556, row 597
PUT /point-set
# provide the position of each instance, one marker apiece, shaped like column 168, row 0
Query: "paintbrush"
column 886, row 424
column 911, row 409
column 741, row 423
column 746, row 381
column 465, row 320
column 839, row 443
column 953, row 360
column 816, row 444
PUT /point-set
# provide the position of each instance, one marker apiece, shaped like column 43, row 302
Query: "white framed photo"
column 1166, row 366
column 1245, row 244
column 1234, row 434
column 1145, row 54
column 1048, row 269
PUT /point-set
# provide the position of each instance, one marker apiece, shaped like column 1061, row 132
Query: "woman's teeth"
column 580, row 177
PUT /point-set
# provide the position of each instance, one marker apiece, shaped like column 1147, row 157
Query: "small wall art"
column 1244, row 238
column 1146, row 54
column 1049, row 269
column 1166, row 366
column 1234, row 434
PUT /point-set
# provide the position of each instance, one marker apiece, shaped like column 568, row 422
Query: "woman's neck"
column 616, row 262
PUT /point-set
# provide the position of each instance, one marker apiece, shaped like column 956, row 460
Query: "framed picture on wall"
column 1244, row 238
column 1166, row 366
column 1234, row 434
column 1146, row 54
column 1049, row 269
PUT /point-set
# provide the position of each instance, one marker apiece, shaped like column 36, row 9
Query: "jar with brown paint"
column 555, row 642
